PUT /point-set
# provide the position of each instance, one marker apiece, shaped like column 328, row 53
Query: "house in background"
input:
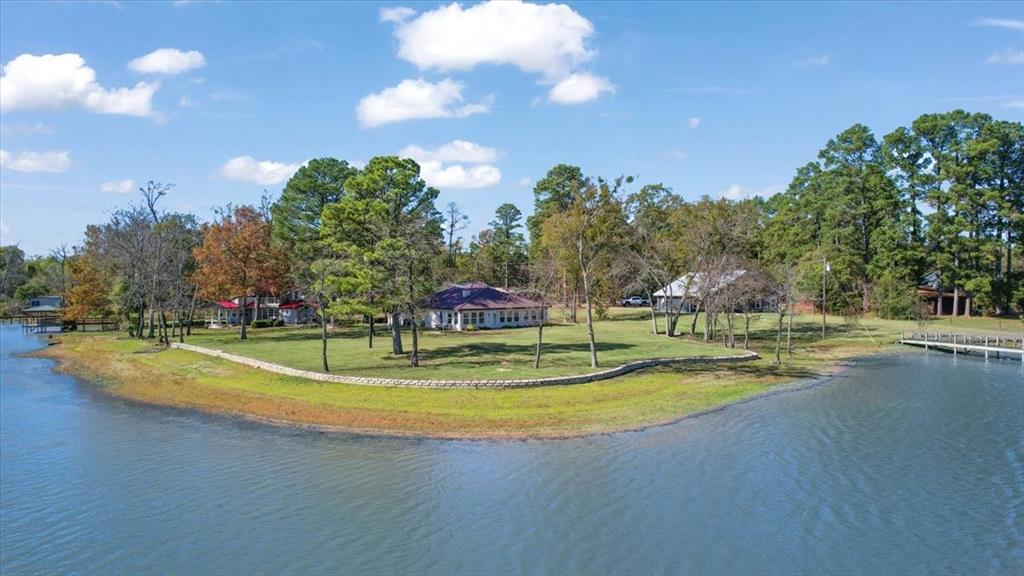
column 44, row 306
column 291, row 311
column 939, row 301
column 478, row 305
column 683, row 294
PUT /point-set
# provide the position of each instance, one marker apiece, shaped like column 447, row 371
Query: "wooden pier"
column 998, row 346
column 40, row 324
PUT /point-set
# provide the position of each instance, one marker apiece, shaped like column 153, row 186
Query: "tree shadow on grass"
column 490, row 350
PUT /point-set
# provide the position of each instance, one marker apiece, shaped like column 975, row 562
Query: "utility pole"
column 824, row 270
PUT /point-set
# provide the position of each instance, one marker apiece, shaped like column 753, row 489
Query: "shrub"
column 261, row 323
column 278, row 323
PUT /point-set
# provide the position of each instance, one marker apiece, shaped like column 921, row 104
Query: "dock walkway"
column 999, row 346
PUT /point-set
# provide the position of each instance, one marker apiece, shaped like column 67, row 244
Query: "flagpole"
column 824, row 269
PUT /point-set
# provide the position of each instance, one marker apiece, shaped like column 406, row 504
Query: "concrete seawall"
column 525, row 383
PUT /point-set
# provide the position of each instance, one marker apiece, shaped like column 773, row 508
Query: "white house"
column 478, row 305
column 683, row 293
column 290, row 311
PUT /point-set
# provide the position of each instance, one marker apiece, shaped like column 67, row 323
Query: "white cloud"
column 416, row 99
column 457, row 164
column 579, row 88
column 694, row 122
column 264, row 173
column 118, row 186
column 186, row 102
column 5, row 233
column 25, row 129
column 814, row 61
column 459, row 176
column 675, row 154
column 454, row 151
column 547, row 39
column 168, row 61
column 396, row 14
column 56, row 81
column 1007, row 56
column 27, row 161
column 525, row 182
column 737, row 192
column 1007, row 23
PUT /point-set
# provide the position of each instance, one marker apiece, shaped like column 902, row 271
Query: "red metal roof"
column 232, row 305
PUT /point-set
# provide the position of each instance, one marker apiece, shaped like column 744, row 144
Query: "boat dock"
column 998, row 346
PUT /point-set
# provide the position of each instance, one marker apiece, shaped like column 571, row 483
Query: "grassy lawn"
column 481, row 355
column 138, row 371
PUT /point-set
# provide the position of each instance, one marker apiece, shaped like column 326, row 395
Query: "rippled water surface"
column 905, row 464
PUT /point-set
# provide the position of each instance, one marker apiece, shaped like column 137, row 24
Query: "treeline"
column 862, row 224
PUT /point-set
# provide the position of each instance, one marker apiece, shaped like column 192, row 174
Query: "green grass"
column 142, row 372
column 482, row 355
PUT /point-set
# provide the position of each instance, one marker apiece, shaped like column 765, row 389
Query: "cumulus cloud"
column 416, row 99
column 694, row 122
column 548, row 39
column 1007, row 56
column 814, row 61
column 457, row 164
column 28, row 161
column 262, row 172
column 396, row 14
column 25, row 129
column 737, row 192
column 118, row 186
column 168, row 61
column 454, row 151
column 579, row 88
column 57, row 81
column 1007, row 23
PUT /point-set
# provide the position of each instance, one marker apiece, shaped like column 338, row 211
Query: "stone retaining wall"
column 552, row 381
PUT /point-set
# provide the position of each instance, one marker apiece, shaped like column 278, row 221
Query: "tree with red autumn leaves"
column 237, row 258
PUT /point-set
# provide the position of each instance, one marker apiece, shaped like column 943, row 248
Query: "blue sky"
column 716, row 98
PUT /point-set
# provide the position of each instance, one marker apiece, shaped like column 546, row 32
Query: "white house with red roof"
column 289, row 311
column 476, row 305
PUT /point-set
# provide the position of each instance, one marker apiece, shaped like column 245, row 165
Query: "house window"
column 501, row 316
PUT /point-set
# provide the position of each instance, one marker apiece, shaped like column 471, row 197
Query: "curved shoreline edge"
column 410, row 383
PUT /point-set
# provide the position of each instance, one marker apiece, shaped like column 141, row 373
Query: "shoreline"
column 398, row 421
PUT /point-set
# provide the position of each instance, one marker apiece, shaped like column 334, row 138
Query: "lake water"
column 905, row 464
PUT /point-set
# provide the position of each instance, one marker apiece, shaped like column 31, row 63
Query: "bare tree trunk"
column 414, row 358
column 192, row 311
column 732, row 335
column 789, row 336
column 243, row 319
column 370, row 331
column 575, row 304
column 151, row 329
column 181, row 329
column 540, row 340
column 746, row 330
column 654, row 316
column 590, row 320
column 142, row 319
column 396, row 332
column 778, row 338
column 693, row 324
column 323, row 331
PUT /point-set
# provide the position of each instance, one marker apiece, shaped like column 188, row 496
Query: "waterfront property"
column 683, row 294
column 44, row 306
column 290, row 311
column 476, row 305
